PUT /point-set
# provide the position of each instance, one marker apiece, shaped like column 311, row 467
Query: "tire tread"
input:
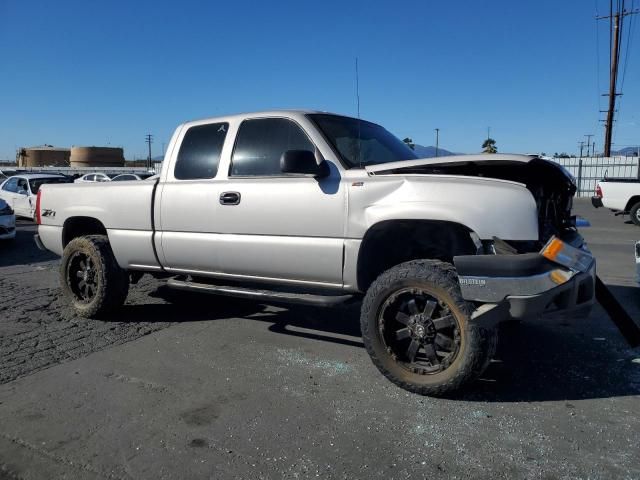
column 482, row 342
column 115, row 280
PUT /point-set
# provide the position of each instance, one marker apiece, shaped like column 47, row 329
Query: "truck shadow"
column 545, row 360
column 563, row 359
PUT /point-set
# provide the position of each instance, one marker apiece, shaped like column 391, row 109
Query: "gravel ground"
column 37, row 329
column 243, row 390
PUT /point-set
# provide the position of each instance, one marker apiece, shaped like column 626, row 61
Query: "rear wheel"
column 634, row 213
column 417, row 329
column 91, row 278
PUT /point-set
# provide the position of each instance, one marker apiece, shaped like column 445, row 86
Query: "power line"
column 589, row 143
column 149, row 140
column 628, row 47
column 616, row 22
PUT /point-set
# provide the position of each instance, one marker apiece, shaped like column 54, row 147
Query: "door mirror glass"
column 303, row 162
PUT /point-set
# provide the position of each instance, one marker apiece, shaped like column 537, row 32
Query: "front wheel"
column 634, row 213
column 91, row 278
column 417, row 329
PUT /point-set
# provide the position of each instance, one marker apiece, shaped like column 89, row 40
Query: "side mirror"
column 303, row 162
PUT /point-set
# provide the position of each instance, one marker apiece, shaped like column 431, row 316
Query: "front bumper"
column 596, row 202
column 529, row 283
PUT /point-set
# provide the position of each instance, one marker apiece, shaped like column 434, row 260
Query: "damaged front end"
column 520, row 278
column 550, row 184
column 561, row 277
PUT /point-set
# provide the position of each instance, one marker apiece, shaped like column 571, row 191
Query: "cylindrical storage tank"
column 44, row 157
column 96, row 157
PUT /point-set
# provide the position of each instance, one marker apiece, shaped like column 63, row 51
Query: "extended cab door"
column 188, row 229
column 278, row 226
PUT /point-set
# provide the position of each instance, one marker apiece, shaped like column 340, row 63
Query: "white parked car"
column 7, row 221
column 620, row 195
column 93, row 177
column 20, row 191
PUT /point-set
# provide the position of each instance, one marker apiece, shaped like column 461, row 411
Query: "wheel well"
column 632, row 201
column 393, row 242
column 80, row 226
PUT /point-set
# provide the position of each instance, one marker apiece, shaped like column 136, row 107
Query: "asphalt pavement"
column 206, row 387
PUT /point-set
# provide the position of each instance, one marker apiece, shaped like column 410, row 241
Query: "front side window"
column 200, row 150
column 360, row 142
column 260, row 144
column 11, row 185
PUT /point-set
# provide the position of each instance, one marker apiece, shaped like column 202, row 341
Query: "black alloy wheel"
column 81, row 277
column 419, row 331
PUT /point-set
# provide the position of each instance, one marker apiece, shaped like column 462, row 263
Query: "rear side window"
column 260, row 144
column 199, row 153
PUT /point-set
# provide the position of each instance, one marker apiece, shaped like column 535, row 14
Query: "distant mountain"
column 626, row 152
column 428, row 152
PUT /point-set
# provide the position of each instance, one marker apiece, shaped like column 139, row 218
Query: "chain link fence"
column 589, row 170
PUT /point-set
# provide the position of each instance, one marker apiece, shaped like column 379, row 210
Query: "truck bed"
column 123, row 208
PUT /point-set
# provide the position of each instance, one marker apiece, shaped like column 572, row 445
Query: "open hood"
column 479, row 159
column 551, row 185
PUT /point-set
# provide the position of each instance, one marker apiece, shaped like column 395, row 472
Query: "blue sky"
column 108, row 72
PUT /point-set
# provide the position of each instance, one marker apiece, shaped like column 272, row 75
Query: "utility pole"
column 589, row 144
column 616, row 19
column 608, row 133
column 581, row 143
column 149, row 140
column 437, row 139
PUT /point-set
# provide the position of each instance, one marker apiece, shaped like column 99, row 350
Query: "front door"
column 277, row 226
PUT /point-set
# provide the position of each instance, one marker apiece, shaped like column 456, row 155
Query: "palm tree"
column 489, row 146
column 409, row 143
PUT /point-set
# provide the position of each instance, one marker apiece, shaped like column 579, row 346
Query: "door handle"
column 230, row 198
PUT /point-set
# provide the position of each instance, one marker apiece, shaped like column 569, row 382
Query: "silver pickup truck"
column 317, row 208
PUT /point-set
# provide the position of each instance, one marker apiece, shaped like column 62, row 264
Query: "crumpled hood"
column 479, row 159
column 550, row 184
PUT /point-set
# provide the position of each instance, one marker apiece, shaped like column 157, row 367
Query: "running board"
column 261, row 295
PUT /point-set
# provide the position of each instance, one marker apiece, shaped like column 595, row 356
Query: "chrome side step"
column 259, row 294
